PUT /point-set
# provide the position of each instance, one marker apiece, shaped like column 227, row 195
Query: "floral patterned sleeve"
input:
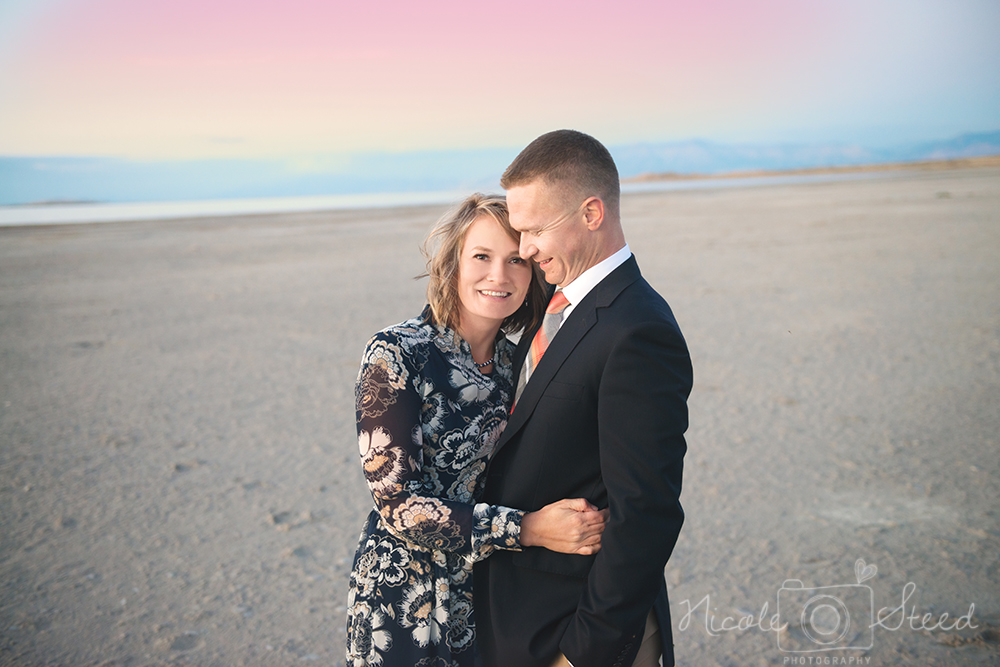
column 409, row 496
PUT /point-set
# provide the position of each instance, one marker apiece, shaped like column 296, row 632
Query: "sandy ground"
column 179, row 480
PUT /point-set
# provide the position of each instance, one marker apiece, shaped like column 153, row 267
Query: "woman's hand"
column 570, row 526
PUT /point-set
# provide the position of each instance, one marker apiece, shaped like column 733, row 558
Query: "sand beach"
column 179, row 476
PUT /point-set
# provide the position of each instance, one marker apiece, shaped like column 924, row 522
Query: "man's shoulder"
column 640, row 304
column 626, row 286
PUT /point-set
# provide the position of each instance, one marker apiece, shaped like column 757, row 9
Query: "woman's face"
column 493, row 280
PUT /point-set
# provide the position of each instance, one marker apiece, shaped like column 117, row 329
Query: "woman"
column 433, row 396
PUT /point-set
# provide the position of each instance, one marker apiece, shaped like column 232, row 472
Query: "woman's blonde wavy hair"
column 443, row 250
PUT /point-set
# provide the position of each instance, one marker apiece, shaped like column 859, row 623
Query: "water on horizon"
column 76, row 213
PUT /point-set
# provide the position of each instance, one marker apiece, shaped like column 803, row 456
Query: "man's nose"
column 525, row 248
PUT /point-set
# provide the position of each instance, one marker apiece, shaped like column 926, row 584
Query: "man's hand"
column 569, row 526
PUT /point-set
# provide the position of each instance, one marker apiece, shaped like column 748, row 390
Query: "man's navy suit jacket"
column 603, row 418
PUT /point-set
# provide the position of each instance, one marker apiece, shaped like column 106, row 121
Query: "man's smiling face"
column 553, row 230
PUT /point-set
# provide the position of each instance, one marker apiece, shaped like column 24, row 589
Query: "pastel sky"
column 248, row 78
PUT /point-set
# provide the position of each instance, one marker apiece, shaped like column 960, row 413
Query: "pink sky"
column 187, row 78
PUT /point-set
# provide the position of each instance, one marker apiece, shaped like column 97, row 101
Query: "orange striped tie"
column 550, row 326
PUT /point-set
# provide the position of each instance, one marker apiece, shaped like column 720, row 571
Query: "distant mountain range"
column 58, row 179
column 705, row 157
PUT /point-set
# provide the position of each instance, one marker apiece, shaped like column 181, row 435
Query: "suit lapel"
column 572, row 331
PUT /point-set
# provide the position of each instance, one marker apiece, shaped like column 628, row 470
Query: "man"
column 600, row 414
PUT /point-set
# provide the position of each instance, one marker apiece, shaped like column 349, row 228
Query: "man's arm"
column 642, row 416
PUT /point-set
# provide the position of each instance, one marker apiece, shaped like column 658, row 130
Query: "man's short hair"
column 568, row 158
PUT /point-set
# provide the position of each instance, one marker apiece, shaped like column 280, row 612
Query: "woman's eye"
column 480, row 255
column 517, row 260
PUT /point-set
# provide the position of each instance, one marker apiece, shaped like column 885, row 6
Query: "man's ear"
column 593, row 213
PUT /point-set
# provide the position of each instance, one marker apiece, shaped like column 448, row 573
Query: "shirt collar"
column 588, row 280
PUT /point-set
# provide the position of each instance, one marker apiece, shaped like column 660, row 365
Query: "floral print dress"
column 428, row 421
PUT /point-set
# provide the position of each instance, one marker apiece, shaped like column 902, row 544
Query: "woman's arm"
column 390, row 441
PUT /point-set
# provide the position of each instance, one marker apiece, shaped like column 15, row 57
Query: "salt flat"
column 179, row 480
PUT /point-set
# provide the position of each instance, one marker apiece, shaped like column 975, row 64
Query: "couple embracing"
column 526, row 498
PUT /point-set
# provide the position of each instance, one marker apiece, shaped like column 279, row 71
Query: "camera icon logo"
column 827, row 618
